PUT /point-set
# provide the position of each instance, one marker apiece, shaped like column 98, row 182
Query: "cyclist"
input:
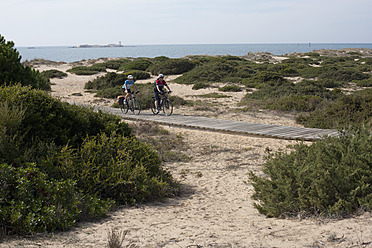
column 159, row 89
column 126, row 88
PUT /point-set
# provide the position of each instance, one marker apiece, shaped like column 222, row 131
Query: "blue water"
column 68, row 54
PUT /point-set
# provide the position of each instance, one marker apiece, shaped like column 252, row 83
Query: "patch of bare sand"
column 215, row 209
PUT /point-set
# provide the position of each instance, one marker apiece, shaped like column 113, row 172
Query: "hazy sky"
column 136, row 22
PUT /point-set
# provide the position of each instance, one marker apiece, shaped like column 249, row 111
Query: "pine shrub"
column 12, row 71
column 332, row 177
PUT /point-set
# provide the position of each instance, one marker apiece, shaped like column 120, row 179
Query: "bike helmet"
column 161, row 76
column 130, row 77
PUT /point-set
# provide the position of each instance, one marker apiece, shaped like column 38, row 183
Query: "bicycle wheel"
column 136, row 106
column 152, row 106
column 168, row 107
column 124, row 108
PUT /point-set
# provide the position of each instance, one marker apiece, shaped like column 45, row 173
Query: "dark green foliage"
column 265, row 78
column 88, row 70
column 63, row 163
column 138, row 64
column 303, row 96
column 331, row 177
column 364, row 83
column 354, row 109
column 171, row 66
column 13, row 72
column 200, row 85
column 214, row 95
column 31, row 202
column 230, row 88
column 46, row 119
column 116, row 167
column 208, row 72
column 109, row 80
column 341, row 74
column 116, row 64
column 137, row 75
column 112, row 79
column 54, row 74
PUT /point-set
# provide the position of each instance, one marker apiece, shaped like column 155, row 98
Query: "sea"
column 72, row 54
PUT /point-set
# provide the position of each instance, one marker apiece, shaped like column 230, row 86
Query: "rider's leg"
column 156, row 100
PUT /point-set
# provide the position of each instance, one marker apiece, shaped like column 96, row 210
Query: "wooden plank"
column 198, row 122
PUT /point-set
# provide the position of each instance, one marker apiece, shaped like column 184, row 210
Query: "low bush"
column 364, row 83
column 49, row 120
column 112, row 79
column 12, row 71
column 208, row 72
column 264, row 78
column 117, row 167
column 137, row 64
column 230, row 88
column 88, row 70
column 331, row 177
column 171, row 66
column 354, row 109
column 54, row 74
column 31, row 202
column 200, row 85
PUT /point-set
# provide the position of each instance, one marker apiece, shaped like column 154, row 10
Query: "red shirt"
column 160, row 83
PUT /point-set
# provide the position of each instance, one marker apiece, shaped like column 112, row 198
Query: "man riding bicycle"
column 159, row 89
column 126, row 88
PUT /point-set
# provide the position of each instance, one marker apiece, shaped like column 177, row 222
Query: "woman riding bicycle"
column 159, row 89
column 126, row 88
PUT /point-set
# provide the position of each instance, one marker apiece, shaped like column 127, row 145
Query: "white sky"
column 137, row 22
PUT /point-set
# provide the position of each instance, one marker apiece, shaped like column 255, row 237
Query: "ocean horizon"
column 71, row 54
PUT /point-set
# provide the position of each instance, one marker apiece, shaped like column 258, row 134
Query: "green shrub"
column 263, row 78
column 138, row 64
column 349, row 109
column 364, row 83
column 47, row 119
column 331, row 177
column 119, row 168
column 54, row 74
column 109, row 80
column 341, row 74
column 230, row 88
column 208, row 72
column 112, row 79
column 30, row 202
column 171, row 66
column 88, row 70
column 12, row 71
column 137, row 75
column 200, row 85
column 214, row 95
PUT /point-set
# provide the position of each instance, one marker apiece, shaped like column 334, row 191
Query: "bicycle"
column 165, row 104
column 134, row 105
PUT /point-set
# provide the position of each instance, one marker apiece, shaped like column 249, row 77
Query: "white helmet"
column 130, row 77
column 160, row 76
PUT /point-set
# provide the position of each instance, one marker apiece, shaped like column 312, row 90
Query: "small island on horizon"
column 98, row 46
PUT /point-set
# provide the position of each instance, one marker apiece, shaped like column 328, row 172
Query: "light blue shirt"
column 128, row 83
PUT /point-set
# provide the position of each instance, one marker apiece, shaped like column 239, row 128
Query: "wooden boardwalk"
column 238, row 127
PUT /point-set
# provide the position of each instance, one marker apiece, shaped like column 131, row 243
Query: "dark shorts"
column 156, row 94
column 129, row 91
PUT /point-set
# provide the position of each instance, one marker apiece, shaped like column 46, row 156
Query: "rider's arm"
column 157, row 87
